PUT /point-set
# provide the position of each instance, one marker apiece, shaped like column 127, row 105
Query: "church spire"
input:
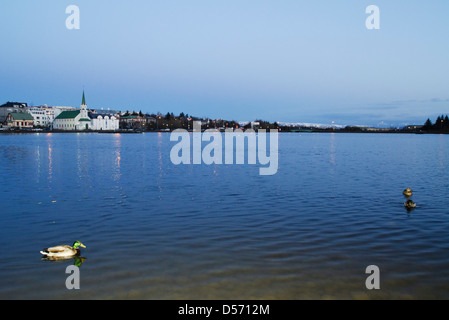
column 83, row 102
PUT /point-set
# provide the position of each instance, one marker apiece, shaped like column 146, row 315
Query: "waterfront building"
column 44, row 115
column 19, row 120
column 11, row 107
column 133, row 121
column 104, row 121
column 150, row 119
column 74, row 120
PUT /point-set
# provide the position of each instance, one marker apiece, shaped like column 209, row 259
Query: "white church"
column 80, row 120
column 103, row 122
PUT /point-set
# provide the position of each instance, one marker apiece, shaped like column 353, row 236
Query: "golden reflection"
column 159, row 152
column 159, row 145
column 50, row 163
column 50, row 160
column 118, row 144
column 118, row 157
column 78, row 156
column 38, row 163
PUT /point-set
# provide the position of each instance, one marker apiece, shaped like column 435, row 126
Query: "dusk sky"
column 290, row 60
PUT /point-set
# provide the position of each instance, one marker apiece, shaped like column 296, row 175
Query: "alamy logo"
column 73, row 280
column 372, row 22
column 373, row 280
column 73, row 20
column 188, row 151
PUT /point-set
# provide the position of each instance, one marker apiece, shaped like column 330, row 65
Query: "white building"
column 44, row 115
column 104, row 122
column 73, row 120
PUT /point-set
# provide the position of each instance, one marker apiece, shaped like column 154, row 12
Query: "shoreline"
column 376, row 131
column 63, row 131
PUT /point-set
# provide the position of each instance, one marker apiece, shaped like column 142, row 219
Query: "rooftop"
column 68, row 114
column 10, row 104
column 21, row 116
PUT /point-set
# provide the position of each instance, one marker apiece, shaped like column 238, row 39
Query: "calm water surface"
column 154, row 230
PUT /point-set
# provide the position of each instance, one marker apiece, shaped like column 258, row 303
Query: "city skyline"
column 290, row 62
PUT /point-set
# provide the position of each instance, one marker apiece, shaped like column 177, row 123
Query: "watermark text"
column 189, row 148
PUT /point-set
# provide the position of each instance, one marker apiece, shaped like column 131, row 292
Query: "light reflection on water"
column 158, row 231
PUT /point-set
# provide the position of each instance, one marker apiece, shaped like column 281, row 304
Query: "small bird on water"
column 409, row 204
column 63, row 251
column 407, row 192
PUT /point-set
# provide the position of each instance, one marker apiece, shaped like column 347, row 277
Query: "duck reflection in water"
column 77, row 261
column 410, row 205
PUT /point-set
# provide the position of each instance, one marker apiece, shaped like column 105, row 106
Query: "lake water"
column 154, row 230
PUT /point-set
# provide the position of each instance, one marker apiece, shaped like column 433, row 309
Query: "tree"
column 446, row 123
column 428, row 125
column 167, row 116
column 438, row 123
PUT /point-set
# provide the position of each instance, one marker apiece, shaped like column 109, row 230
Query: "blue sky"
column 290, row 60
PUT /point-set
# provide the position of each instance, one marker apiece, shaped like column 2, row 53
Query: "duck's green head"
column 77, row 244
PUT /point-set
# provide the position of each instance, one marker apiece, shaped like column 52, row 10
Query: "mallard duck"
column 409, row 204
column 63, row 251
column 407, row 192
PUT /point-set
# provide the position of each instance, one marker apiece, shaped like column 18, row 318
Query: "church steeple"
column 83, row 102
column 83, row 109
